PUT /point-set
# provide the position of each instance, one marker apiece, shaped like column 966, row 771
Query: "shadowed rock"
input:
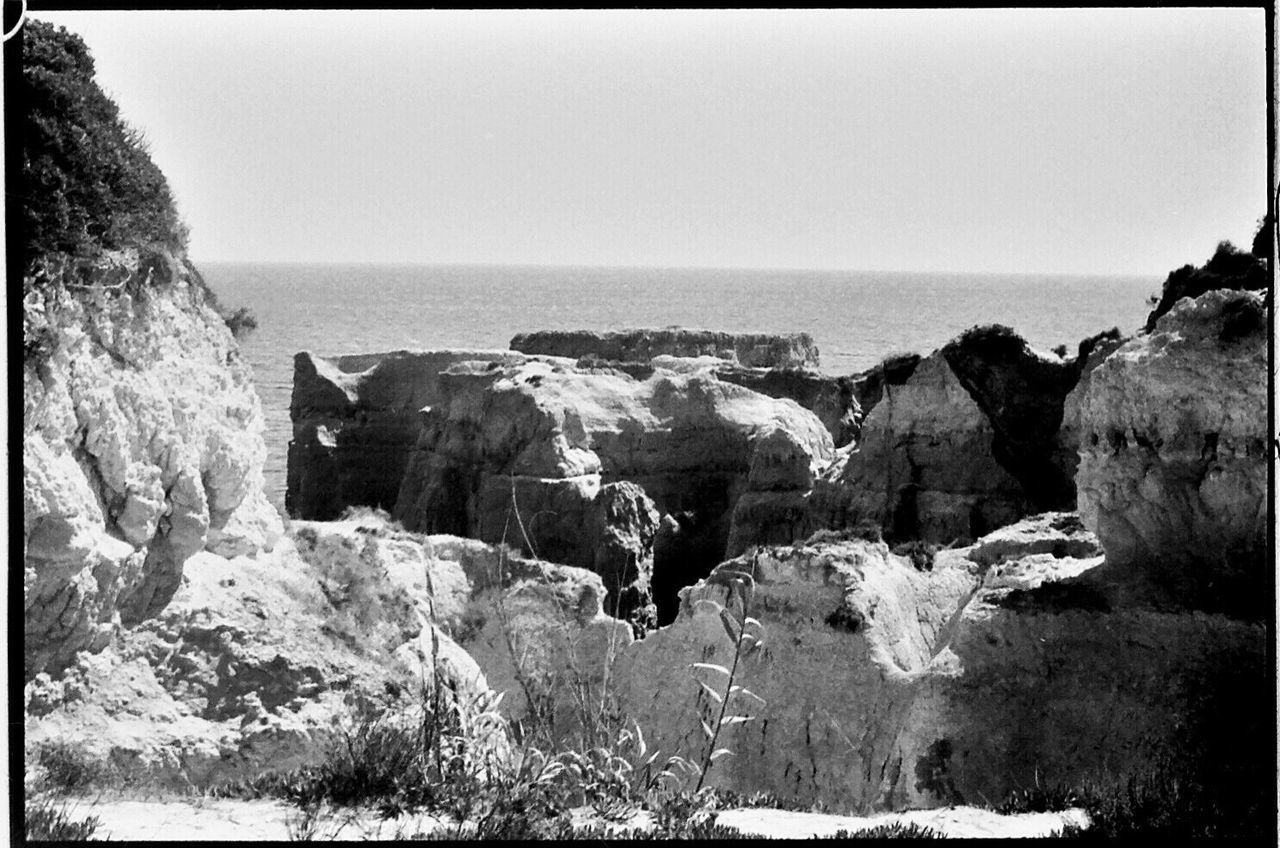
column 1022, row 391
column 1174, row 453
column 520, row 454
column 355, row 419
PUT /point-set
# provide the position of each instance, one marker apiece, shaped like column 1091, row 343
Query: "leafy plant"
column 746, row 634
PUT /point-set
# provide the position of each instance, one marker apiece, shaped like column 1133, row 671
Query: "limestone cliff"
column 523, row 453
column 1174, row 452
column 754, row 350
column 924, row 467
column 355, row 419
column 142, row 445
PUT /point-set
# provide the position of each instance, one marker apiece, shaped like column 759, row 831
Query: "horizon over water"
column 856, row 318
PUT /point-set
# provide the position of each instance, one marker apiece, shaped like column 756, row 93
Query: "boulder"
column 1174, row 453
column 754, row 350
column 520, row 454
column 355, row 419
column 142, row 445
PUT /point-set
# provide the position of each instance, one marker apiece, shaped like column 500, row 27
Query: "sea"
column 856, row 317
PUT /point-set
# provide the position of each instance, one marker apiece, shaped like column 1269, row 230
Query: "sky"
column 1126, row 141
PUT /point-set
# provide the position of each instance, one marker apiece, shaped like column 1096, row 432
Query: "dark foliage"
column 88, row 183
column 49, row 821
column 1241, row 319
column 68, row 767
column 1163, row 801
column 1228, row 268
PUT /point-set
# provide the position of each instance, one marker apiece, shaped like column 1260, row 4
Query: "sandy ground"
column 234, row 820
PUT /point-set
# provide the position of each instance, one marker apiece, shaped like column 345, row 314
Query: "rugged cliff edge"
column 355, row 419
column 1174, row 452
column 142, row 445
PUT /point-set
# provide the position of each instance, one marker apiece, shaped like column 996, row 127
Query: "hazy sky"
column 1085, row 141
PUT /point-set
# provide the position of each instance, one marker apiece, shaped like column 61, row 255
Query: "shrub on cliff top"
column 1228, row 268
column 88, row 183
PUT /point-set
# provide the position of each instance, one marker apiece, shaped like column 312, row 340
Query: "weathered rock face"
column 1174, row 452
column 355, row 418
column 520, row 454
column 1022, row 657
column 257, row 664
column 754, row 350
column 142, row 445
column 869, row 385
column 774, row 508
column 1061, row 670
column 849, row 631
column 1022, row 392
column 924, row 467
column 830, row 398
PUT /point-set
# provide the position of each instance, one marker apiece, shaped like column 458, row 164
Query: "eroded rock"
column 1174, row 452
column 142, row 445
column 355, row 419
column 520, row 454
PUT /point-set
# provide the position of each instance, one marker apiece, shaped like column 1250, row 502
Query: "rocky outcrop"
column 355, row 419
column 753, row 350
column 830, row 398
column 257, row 665
column 1061, row 672
column 869, row 386
column 1022, row 393
column 521, row 453
column 924, row 467
column 142, row 446
column 1022, row 660
column 849, row 632
column 1174, row 452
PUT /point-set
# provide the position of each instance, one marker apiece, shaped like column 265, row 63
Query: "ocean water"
column 855, row 317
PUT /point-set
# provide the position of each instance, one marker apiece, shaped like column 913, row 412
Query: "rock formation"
column 832, row 399
column 753, row 350
column 142, row 445
column 355, row 418
column 1022, row 392
column 924, row 467
column 849, row 631
column 1056, row 673
column 520, row 454
column 1174, row 452
column 255, row 665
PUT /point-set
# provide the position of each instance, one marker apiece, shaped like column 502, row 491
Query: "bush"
column 88, row 182
column 68, row 767
column 48, row 820
column 1228, row 268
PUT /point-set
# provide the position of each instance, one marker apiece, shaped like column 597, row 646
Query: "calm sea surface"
column 856, row 317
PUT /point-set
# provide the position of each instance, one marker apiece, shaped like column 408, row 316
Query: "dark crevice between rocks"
column 689, row 544
column 1022, row 395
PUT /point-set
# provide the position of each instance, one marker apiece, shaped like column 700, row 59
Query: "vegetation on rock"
column 1228, row 268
